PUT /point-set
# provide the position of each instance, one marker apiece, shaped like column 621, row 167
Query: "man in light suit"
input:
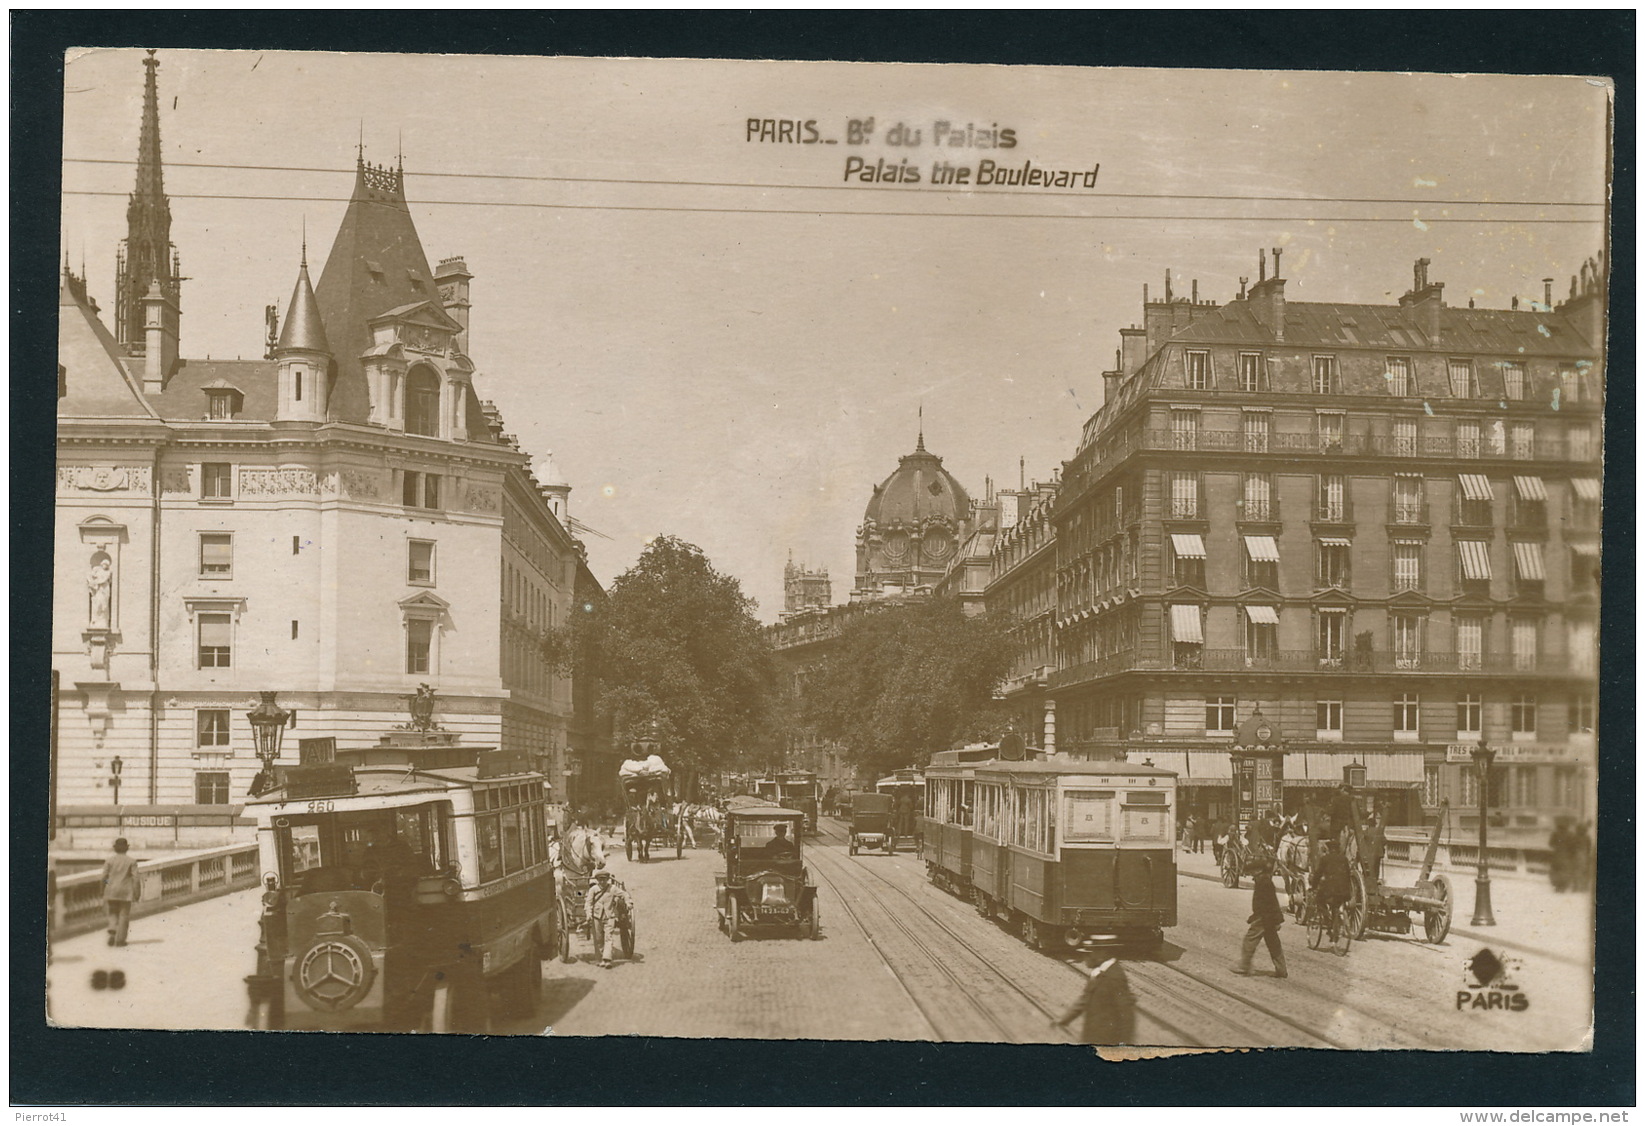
column 121, row 888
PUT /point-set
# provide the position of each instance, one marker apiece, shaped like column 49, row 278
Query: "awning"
column 1263, row 549
column 1262, row 615
column 1335, row 541
column 1591, row 550
column 1476, row 559
column 1586, row 487
column 1529, row 558
column 1475, row 486
column 1530, row 488
column 1185, row 625
column 1187, row 546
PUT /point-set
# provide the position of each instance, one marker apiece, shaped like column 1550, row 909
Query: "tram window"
column 967, row 802
column 489, row 836
column 1088, row 815
column 513, row 853
column 1147, row 822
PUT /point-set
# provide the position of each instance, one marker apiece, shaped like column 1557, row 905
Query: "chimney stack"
column 451, row 278
column 1425, row 301
column 1268, row 296
column 1167, row 285
column 1548, row 293
column 1195, row 297
column 1262, row 266
column 1133, row 350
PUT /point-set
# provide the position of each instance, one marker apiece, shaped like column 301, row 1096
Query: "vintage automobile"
column 765, row 882
column 871, row 816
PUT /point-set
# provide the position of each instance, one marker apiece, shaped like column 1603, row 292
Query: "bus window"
column 299, row 851
column 513, row 854
column 1088, row 815
column 488, row 836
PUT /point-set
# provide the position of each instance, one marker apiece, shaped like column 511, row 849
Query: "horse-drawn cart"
column 1372, row 904
column 648, row 815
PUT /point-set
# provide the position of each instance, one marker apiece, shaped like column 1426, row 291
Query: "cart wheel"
column 679, row 845
column 1230, row 869
column 1436, row 921
column 816, row 922
column 733, row 925
column 625, row 936
column 1354, row 911
column 628, row 846
column 565, row 929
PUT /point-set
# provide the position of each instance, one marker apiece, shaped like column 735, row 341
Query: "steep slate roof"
column 97, row 382
column 370, row 270
column 184, row 399
column 304, row 327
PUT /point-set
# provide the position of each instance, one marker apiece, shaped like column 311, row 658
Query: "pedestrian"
column 1199, row 834
column 1376, row 846
column 1561, row 844
column 1106, row 1003
column 1266, row 919
column 1582, row 858
column 608, row 903
column 685, row 812
column 121, row 888
column 1219, row 831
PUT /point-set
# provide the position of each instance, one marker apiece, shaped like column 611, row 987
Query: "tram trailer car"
column 799, row 789
column 1064, row 849
column 946, row 820
column 412, row 894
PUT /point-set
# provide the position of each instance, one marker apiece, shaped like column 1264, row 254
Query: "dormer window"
column 375, row 269
column 416, row 282
column 223, row 402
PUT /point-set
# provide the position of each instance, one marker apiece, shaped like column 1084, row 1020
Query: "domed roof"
column 919, row 490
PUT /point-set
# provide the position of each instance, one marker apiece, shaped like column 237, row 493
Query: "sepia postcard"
column 828, row 551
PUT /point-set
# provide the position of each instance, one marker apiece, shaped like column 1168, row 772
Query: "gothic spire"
column 146, row 254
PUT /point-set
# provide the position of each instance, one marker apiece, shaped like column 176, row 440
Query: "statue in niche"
column 101, row 583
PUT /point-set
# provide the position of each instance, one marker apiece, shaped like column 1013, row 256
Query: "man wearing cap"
column 1106, row 1001
column 607, row 902
column 1266, row 919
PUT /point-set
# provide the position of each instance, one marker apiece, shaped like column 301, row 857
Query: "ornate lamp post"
column 268, row 723
column 115, row 767
column 1483, row 757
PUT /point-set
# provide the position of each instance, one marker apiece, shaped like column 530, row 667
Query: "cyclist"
column 1331, row 883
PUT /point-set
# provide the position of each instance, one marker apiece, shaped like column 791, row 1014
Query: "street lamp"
column 1483, row 757
column 268, row 723
column 115, row 767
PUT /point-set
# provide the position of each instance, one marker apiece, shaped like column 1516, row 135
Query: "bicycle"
column 1325, row 920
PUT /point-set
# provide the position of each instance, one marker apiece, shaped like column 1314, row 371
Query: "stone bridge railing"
column 77, row 900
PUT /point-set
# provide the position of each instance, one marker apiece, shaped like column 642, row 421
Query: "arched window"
column 422, row 402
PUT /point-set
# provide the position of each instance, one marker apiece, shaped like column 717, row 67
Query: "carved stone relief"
column 277, row 482
column 104, row 478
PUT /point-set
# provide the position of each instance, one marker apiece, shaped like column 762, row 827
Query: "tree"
column 675, row 642
column 909, row 680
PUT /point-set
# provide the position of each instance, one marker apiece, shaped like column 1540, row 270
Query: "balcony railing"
column 1355, row 445
column 1334, row 512
column 1263, row 509
column 1409, row 512
column 1196, row 659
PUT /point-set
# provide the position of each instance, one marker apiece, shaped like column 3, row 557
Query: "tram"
column 907, row 790
column 799, row 789
column 405, row 888
column 1059, row 849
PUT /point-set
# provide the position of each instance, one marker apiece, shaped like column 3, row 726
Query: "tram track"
column 1050, row 1012
column 943, row 1022
column 1144, row 973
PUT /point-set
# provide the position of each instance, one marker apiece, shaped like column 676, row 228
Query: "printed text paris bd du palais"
column 941, row 135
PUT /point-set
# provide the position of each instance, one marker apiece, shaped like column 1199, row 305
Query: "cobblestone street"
column 900, row 960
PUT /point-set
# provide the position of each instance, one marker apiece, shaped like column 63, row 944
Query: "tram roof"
column 764, row 811
column 1081, row 767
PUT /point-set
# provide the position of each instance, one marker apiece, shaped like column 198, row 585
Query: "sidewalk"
column 1530, row 914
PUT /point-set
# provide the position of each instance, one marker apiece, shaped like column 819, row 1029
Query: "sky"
column 729, row 340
